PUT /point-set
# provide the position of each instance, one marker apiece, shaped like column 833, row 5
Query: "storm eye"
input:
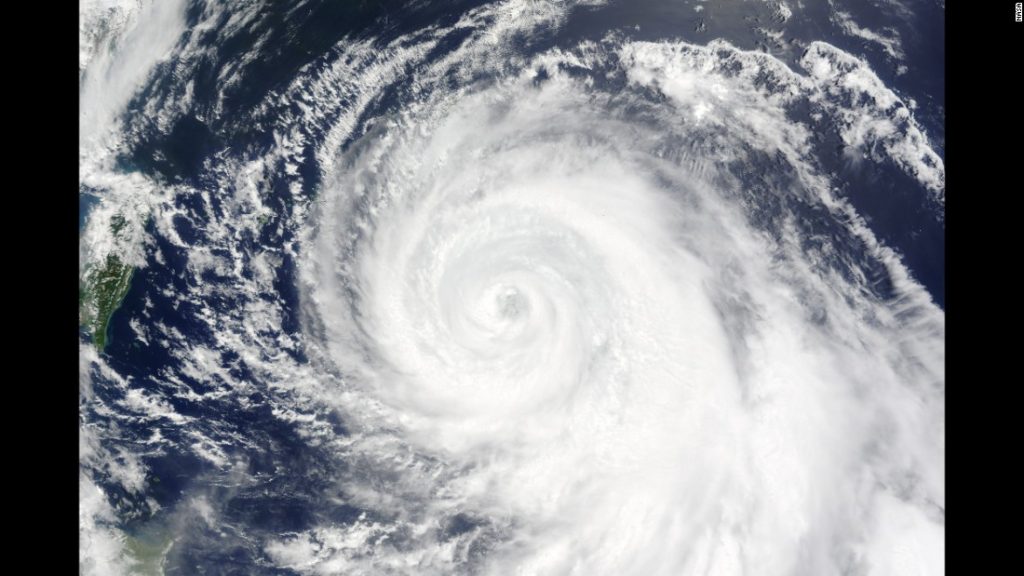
column 511, row 304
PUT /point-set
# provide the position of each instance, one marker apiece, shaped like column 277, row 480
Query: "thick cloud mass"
column 563, row 289
column 595, row 310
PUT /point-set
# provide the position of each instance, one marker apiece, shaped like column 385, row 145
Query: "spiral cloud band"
column 560, row 294
column 601, row 309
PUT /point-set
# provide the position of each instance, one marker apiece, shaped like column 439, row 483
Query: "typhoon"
column 517, row 287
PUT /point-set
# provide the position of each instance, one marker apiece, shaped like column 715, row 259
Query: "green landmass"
column 102, row 289
column 102, row 293
column 117, row 223
column 148, row 551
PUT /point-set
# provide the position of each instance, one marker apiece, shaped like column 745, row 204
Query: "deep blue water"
column 86, row 201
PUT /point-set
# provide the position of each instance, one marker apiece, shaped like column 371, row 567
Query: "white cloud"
column 100, row 546
column 563, row 335
column 889, row 42
column 540, row 311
